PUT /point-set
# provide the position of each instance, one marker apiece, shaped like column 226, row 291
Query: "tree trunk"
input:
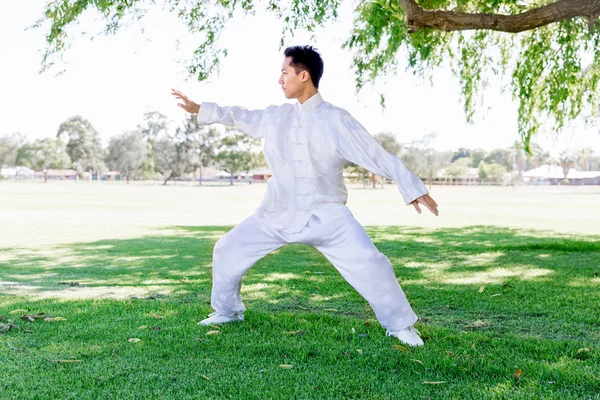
column 418, row 18
column 168, row 178
column 374, row 180
column 127, row 176
column 200, row 176
column 45, row 176
column 231, row 179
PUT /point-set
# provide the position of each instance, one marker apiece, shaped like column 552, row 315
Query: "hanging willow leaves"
column 548, row 52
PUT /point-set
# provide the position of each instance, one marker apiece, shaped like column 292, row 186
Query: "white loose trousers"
column 341, row 239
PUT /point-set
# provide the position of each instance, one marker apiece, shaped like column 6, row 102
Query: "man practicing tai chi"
column 305, row 145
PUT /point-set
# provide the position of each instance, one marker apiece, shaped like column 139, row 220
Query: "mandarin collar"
column 311, row 103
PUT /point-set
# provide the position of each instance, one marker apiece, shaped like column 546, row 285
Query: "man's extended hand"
column 428, row 202
column 187, row 104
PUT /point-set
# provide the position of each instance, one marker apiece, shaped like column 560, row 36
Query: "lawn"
column 507, row 312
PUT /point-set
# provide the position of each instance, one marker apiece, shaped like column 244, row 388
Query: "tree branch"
column 418, row 18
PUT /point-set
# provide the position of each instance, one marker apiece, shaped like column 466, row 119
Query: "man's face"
column 291, row 82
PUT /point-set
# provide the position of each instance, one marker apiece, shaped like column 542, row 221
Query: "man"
column 305, row 145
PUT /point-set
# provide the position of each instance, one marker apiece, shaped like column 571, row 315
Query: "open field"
column 506, row 282
column 62, row 212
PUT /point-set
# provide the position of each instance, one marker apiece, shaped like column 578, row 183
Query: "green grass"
column 539, row 306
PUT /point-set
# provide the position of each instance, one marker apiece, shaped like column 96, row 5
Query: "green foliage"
column 491, row 172
column 127, row 153
column 553, row 70
column 47, row 153
column 234, row 152
column 459, row 167
column 83, row 144
column 9, row 149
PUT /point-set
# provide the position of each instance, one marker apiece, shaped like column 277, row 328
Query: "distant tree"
column 584, row 159
column 459, row 167
column 421, row 157
column 9, row 149
column 491, row 172
column 258, row 160
column 567, row 160
column 11, row 153
column 173, row 158
column 83, row 144
column 476, row 156
column 233, row 153
column 45, row 154
column 127, row 153
column 538, row 156
column 154, row 125
column 201, row 141
column 500, row 156
column 461, row 153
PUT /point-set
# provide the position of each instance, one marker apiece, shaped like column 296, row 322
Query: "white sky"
column 113, row 80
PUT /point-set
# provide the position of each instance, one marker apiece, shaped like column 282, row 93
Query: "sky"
column 113, row 80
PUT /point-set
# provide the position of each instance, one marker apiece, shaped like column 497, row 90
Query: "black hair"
column 306, row 58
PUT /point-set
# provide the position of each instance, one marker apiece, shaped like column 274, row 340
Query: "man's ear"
column 305, row 76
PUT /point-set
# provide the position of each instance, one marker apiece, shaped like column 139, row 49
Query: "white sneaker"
column 409, row 336
column 217, row 319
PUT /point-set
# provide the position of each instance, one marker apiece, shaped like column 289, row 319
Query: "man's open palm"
column 428, row 202
column 188, row 105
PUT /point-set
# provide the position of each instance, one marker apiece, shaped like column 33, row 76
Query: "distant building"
column 57, row 174
column 17, row 172
column 469, row 177
column 544, row 175
column 583, row 177
column 554, row 175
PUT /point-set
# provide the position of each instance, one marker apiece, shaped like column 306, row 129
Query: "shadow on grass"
column 482, row 278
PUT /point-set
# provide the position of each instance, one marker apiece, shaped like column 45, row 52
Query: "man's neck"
column 308, row 93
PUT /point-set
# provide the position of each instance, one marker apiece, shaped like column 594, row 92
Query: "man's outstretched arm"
column 358, row 146
column 246, row 121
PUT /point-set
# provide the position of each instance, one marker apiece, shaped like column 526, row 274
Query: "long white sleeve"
column 244, row 120
column 356, row 145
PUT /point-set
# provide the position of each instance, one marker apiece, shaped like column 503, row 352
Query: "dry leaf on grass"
column 14, row 312
column 68, row 361
column 481, row 289
column 477, row 324
column 496, row 294
column 143, row 327
column 55, row 319
column 517, row 374
column 14, row 348
column 211, row 333
column 2, row 317
column 5, row 328
column 359, row 351
column 451, row 354
column 27, row 318
column 286, row 366
column 296, row 333
column 133, row 340
column 419, row 362
column 156, row 316
column 400, row 347
column 433, row 383
column 205, row 377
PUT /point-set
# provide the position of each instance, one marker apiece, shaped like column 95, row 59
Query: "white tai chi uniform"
column 305, row 146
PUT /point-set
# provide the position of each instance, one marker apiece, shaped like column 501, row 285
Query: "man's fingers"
column 416, row 205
